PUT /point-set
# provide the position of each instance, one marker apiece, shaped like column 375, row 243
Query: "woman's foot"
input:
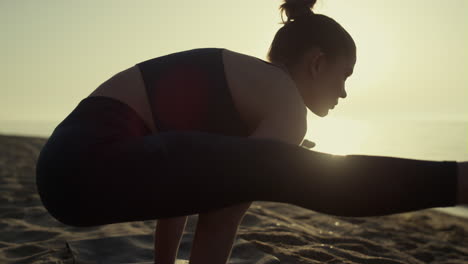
column 462, row 183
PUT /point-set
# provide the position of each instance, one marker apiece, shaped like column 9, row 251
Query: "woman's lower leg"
column 215, row 234
column 167, row 238
column 219, row 171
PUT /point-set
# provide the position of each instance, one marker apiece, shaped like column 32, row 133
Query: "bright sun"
column 338, row 136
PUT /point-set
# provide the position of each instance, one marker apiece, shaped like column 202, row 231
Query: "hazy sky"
column 412, row 56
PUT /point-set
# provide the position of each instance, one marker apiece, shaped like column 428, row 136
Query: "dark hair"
column 304, row 30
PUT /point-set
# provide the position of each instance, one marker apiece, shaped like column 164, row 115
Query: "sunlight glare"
column 338, row 136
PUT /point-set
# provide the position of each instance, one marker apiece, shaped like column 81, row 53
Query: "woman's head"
column 318, row 53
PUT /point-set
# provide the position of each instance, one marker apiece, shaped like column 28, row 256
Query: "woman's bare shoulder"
column 260, row 89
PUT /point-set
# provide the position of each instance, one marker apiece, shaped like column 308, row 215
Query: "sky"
column 412, row 60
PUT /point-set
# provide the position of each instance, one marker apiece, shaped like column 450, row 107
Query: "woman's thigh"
column 93, row 182
column 133, row 179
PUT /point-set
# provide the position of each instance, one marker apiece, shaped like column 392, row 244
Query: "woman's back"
column 207, row 90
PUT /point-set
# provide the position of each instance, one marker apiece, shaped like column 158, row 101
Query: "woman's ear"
column 316, row 62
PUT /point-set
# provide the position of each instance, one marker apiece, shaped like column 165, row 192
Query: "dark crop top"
column 188, row 91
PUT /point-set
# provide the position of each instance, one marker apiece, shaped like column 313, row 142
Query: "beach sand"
column 292, row 234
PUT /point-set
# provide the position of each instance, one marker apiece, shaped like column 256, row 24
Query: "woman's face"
column 321, row 81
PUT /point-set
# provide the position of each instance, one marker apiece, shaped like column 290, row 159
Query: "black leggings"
column 102, row 166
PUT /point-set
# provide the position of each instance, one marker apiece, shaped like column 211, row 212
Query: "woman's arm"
column 289, row 126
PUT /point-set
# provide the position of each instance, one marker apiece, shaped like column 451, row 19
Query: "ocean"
column 414, row 139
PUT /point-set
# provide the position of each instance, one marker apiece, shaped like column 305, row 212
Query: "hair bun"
column 297, row 8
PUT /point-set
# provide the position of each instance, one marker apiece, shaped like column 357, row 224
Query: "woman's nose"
column 343, row 94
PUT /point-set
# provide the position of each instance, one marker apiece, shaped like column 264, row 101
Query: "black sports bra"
column 188, row 91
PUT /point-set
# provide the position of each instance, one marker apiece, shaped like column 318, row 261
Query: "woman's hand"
column 308, row 144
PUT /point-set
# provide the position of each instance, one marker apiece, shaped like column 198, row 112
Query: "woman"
column 208, row 131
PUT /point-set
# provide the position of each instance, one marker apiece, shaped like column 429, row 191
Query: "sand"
column 292, row 234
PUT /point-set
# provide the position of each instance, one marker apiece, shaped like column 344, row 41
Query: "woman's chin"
column 321, row 112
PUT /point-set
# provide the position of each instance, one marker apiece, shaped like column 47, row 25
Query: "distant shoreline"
column 44, row 128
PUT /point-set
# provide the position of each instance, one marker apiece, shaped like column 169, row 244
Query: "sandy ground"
column 292, row 234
